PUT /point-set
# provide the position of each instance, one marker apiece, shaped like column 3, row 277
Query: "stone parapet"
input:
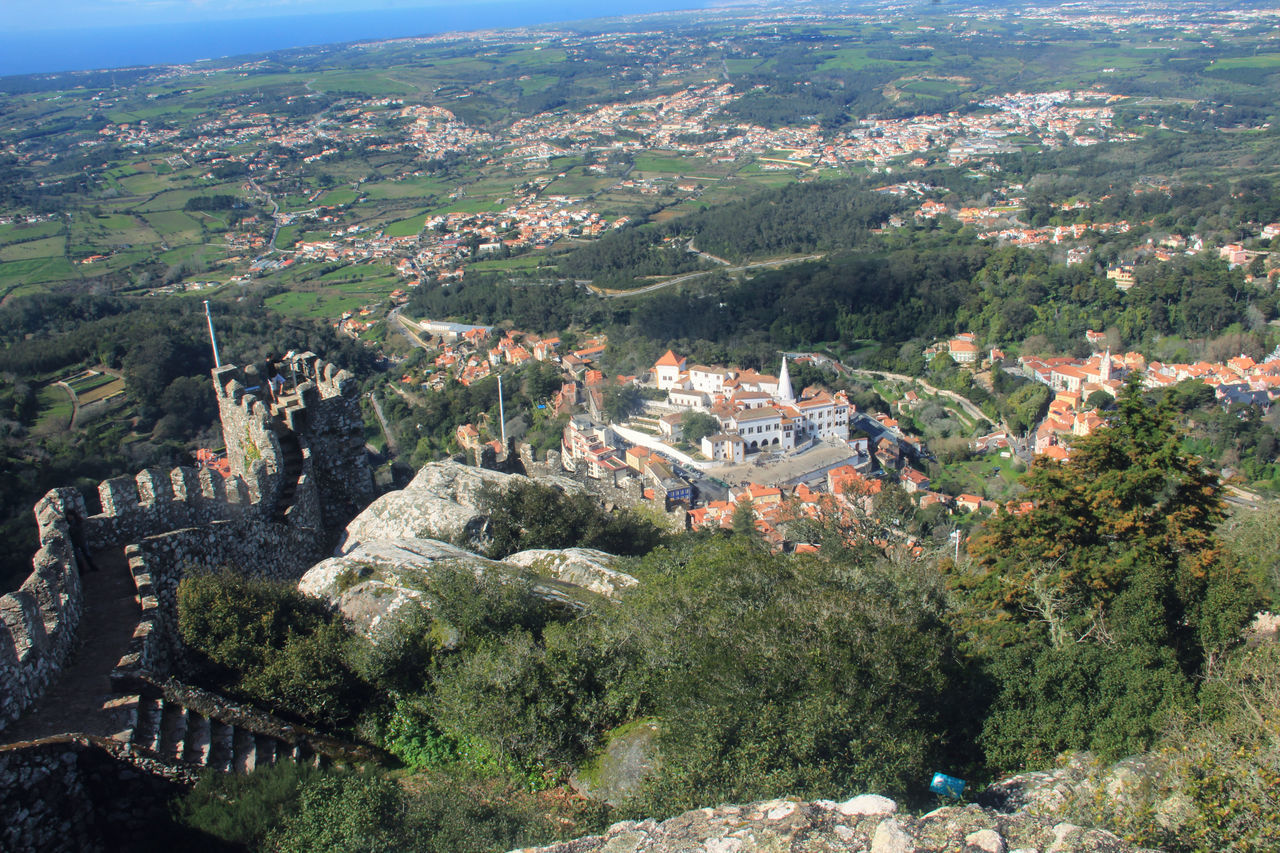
column 38, row 621
column 81, row 793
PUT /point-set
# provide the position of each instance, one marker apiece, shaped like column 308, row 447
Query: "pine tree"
column 1101, row 605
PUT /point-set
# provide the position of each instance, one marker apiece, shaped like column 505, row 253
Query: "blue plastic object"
column 948, row 786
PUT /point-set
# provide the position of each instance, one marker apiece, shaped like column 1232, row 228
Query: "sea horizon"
column 108, row 48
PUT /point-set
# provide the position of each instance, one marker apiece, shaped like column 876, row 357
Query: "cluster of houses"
column 755, row 411
column 1240, row 380
column 846, row 501
column 468, row 353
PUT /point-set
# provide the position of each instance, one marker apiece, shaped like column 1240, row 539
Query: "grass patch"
column 175, row 226
column 336, row 197
column 50, row 247
column 522, row 262
column 358, row 82
column 37, row 271
column 406, row 227
column 21, row 233
column 666, row 165
column 55, row 409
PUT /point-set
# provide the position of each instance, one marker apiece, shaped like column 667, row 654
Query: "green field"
column 520, row 262
column 175, row 226
column 371, row 84
column 50, row 247
column 406, row 227
column 667, row 165
column 20, row 233
column 36, row 271
column 334, row 198
column 55, row 409
column 1260, row 60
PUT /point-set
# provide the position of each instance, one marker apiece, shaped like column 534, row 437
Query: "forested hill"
column 914, row 282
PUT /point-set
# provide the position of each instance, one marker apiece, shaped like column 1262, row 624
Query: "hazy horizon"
column 131, row 39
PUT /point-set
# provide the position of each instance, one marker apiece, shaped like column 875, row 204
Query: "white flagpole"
column 217, row 362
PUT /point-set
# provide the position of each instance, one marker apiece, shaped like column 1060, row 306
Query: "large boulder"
column 630, row 756
column 371, row 583
column 584, row 567
column 441, row 502
column 827, row 827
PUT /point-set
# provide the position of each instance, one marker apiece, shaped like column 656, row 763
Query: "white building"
column 724, row 446
column 765, row 428
column 667, row 371
column 708, row 380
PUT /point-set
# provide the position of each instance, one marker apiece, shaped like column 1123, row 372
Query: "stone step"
column 244, row 751
column 197, row 741
column 221, row 745
column 173, row 731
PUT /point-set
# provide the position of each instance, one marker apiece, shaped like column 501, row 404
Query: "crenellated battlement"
column 39, row 620
column 155, row 501
column 299, row 469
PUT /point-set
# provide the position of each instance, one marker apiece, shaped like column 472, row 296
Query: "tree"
column 1099, row 399
column 1110, row 597
column 347, row 813
column 777, row 674
column 1024, row 407
column 697, row 425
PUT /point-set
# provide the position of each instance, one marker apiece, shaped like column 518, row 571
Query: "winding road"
column 680, row 279
column 963, row 402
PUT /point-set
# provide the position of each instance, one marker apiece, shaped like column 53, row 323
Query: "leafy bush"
column 271, row 644
column 778, row 675
column 530, row 515
column 1218, row 780
column 243, row 809
column 347, row 813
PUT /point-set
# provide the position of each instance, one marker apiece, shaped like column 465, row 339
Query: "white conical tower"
column 785, row 393
column 1104, row 367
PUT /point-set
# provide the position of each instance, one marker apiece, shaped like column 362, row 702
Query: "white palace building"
column 756, row 411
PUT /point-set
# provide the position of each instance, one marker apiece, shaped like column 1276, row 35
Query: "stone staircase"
column 176, row 733
column 185, row 726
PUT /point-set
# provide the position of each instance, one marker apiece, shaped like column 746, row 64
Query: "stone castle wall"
column 184, row 518
column 79, row 793
column 253, row 449
column 38, row 621
column 334, row 429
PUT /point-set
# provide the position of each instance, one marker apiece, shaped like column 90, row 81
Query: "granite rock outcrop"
column 864, row 824
column 441, row 502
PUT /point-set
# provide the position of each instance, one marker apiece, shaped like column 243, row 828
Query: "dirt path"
column 79, row 699
column 680, row 279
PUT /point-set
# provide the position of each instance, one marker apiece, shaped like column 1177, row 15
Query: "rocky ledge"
column 865, row 824
column 441, row 502
column 394, row 550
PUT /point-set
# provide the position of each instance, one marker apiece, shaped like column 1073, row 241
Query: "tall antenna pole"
column 502, row 416
column 217, row 362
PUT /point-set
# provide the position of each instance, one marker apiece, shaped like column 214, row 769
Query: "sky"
column 52, row 15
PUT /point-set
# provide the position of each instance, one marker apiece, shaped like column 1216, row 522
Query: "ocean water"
column 122, row 47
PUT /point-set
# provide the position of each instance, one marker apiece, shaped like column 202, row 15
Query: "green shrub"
column 271, row 644
column 347, row 813
column 530, row 515
column 242, row 809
